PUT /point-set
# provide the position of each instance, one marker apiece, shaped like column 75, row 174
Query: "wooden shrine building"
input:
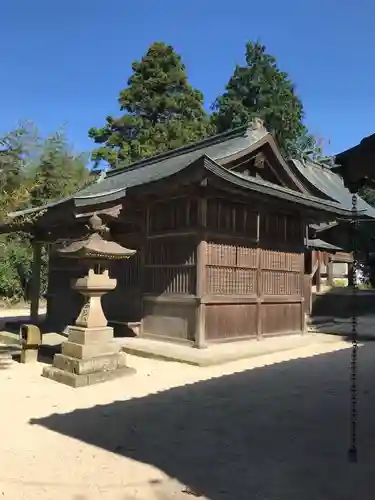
column 225, row 230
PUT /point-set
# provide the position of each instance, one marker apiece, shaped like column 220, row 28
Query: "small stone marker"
column 30, row 340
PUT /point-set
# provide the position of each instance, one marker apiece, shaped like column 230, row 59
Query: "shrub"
column 16, row 259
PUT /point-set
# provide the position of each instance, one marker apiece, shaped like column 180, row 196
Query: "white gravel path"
column 270, row 428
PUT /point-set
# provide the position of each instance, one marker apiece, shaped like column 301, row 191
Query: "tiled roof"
column 331, row 185
column 214, row 153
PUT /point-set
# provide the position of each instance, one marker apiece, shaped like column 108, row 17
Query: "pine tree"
column 260, row 89
column 162, row 111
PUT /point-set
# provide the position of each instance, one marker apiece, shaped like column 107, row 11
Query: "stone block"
column 95, row 350
column 29, row 356
column 75, row 380
column 80, row 335
column 87, row 366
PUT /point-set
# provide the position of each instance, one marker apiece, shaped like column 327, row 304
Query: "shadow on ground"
column 365, row 328
column 273, row 433
column 338, row 302
column 13, row 323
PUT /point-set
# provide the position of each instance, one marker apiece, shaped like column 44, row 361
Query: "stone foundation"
column 90, row 356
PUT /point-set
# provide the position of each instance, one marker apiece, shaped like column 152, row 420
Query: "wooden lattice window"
column 231, row 269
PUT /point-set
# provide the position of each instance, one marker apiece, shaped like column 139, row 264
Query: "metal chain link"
column 354, row 334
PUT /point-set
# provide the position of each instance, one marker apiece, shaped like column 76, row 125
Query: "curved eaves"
column 99, row 198
column 272, row 189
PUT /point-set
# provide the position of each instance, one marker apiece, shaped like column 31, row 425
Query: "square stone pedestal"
column 90, row 356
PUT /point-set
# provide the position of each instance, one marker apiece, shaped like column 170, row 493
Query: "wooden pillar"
column 258, row 288
column 318, row 272
column 303, row 292
column 200, row 328
column 142, row 261
column 308, row 279
column 330, row 271
column 350, row 274
column 35, row 282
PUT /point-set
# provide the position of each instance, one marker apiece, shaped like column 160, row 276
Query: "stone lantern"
column 91, row 355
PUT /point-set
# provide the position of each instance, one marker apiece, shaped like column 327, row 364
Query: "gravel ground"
column 271, row 428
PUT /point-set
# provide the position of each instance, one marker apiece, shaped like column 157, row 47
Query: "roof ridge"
column 315, row 163
column 193, row 146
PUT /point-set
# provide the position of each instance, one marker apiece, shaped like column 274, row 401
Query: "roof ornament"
column 95, row 225
column 257, row 124
column 101, row 176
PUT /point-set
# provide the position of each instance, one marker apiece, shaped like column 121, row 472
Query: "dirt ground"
column 274, row 427
column 271, row 428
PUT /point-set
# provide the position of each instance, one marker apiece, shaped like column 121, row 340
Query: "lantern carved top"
column 96, row 245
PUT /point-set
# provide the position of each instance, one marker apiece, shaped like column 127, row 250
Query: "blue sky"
column 64, row 63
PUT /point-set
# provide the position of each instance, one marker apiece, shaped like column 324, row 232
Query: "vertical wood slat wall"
column 170, row 270
column 253, row 283
column 218, row 270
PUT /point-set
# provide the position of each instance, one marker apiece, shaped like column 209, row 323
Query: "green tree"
column 260, row 89
column 162, row 111
column 59, row 171
column 306, row 147
column 17, row 149
column 33, row 171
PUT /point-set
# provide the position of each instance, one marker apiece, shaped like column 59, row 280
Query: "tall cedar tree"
column 162, row 111
column 260, row 89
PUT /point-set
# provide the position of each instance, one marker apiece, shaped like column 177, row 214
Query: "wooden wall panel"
column 63, row 303
column 281, row 318
column 281, row 273
column 265, row 267
column 173, row 215
column 169, row 319
column 281, row 283
column 231, row 268
column 169, row 284
column 170, row 265
column 226, row 321
column 231, row 280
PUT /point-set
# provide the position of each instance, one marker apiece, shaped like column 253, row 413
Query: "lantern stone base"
column 90, row 356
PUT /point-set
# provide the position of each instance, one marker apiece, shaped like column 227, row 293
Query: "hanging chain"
column 354, row 334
